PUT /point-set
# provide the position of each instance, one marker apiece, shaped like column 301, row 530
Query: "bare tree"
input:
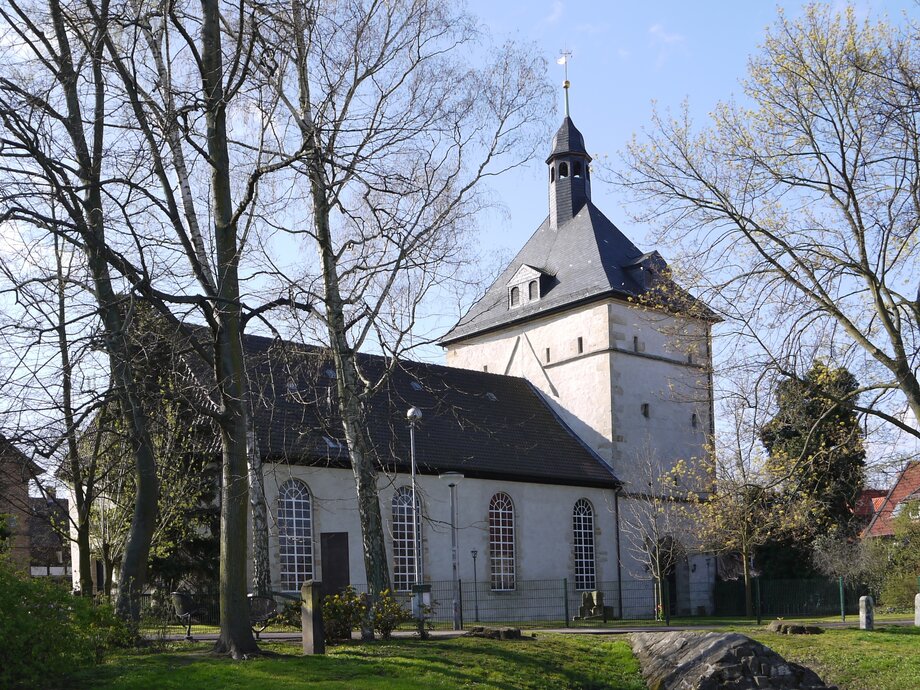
column 54, row 114
column 654, row 523
column 395, row 133
column 797, row 210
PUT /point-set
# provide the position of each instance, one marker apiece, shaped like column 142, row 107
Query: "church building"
column 579, row 372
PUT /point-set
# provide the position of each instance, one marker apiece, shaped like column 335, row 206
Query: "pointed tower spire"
column 569, row 172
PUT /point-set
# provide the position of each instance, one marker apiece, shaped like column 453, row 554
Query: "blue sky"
column 625, row 55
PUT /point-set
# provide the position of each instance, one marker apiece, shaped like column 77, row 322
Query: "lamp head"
column 413, row 414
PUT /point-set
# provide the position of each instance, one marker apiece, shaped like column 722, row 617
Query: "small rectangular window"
column 581, row 346
column 689, row 358
column 635, row 343
column 694, row 421
column 547, row 354
column 485, row 368
column 645, row 410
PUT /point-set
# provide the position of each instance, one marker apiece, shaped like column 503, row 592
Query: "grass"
column 887, row 658
column 550, row 661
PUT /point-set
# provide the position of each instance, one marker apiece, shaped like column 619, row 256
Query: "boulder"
column 686, row 660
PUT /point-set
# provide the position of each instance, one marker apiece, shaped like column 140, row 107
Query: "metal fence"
column 556, row 603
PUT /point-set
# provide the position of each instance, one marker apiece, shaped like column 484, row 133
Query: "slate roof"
column 484, row 425
column 905, row 489
column 586, row 258
column 567, row 139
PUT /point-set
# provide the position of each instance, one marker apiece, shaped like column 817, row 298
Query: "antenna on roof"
column 564, row 55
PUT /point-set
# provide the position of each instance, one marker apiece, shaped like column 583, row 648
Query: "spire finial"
column 564, row 55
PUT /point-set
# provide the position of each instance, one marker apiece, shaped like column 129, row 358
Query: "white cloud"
column 665, row 42
column 555, row 13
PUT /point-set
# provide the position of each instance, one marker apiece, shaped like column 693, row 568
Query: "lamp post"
column 474, row 553
column 452, row 479
column 414, row 415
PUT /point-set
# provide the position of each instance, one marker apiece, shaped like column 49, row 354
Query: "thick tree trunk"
column 229, row 368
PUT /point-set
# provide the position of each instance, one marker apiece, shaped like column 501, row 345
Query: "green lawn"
column 887, row 658
column 550, row 661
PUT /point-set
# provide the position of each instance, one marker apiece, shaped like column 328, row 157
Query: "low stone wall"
column 687, row 660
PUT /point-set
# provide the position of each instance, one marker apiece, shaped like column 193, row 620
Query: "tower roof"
column 568, row 140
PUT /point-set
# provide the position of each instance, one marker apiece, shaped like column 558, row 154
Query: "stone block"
column 311, row 617
column 917, row 610
column 866, row 613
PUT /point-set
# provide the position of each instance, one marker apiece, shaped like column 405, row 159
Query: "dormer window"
column 525, row 286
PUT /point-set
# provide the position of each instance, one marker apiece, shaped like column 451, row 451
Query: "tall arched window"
column 515, row 296
column 576, row 169
column 404, row 549
column 532, row 291
column 501, row 542
column 563, row 170
column 295, row 534
column 583, row 527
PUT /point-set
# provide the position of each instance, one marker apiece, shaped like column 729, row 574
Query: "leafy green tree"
column 815, row 445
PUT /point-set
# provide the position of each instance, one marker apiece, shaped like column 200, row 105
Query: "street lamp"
column 414, row 415
column 452, row 479
column 474, row 553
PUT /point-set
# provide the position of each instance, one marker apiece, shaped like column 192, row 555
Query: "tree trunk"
column 85, row 564
column 229, row 368
column 748, row 594
column 261, row 570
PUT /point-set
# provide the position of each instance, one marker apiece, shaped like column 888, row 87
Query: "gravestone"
column 917, row 610
column 311, row 617
column 866, row 613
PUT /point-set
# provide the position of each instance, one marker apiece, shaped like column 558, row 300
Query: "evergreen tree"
column 815, row 445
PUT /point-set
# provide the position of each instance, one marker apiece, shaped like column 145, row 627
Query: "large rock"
column 687, row 660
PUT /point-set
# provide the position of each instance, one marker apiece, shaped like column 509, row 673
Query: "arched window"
column 576, row 169
column 583, row 528
column 515, row 296
column 532, row 291
column 405, row 547
column 295, row 534
column 552, row 174
column 501, row 542
column 563, row 170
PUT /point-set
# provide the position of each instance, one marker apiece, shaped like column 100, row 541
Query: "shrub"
column 342, row 613
column 290, row 615
column 47, row 633
column 389, row 613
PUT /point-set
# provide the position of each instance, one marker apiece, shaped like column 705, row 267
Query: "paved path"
column 445, row 634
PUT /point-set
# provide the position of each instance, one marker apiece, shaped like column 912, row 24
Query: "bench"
column 261, row 611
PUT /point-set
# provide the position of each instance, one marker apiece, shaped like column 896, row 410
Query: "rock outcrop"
column 686, row 660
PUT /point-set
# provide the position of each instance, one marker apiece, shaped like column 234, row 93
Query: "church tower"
column 569, row 174
column 579, row 314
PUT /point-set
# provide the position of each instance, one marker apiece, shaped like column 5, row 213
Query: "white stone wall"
column 543, row 523
column 630, row 357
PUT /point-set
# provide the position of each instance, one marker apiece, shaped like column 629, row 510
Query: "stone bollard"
column 917, row 610
column 311, row 617
column 866, row 613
